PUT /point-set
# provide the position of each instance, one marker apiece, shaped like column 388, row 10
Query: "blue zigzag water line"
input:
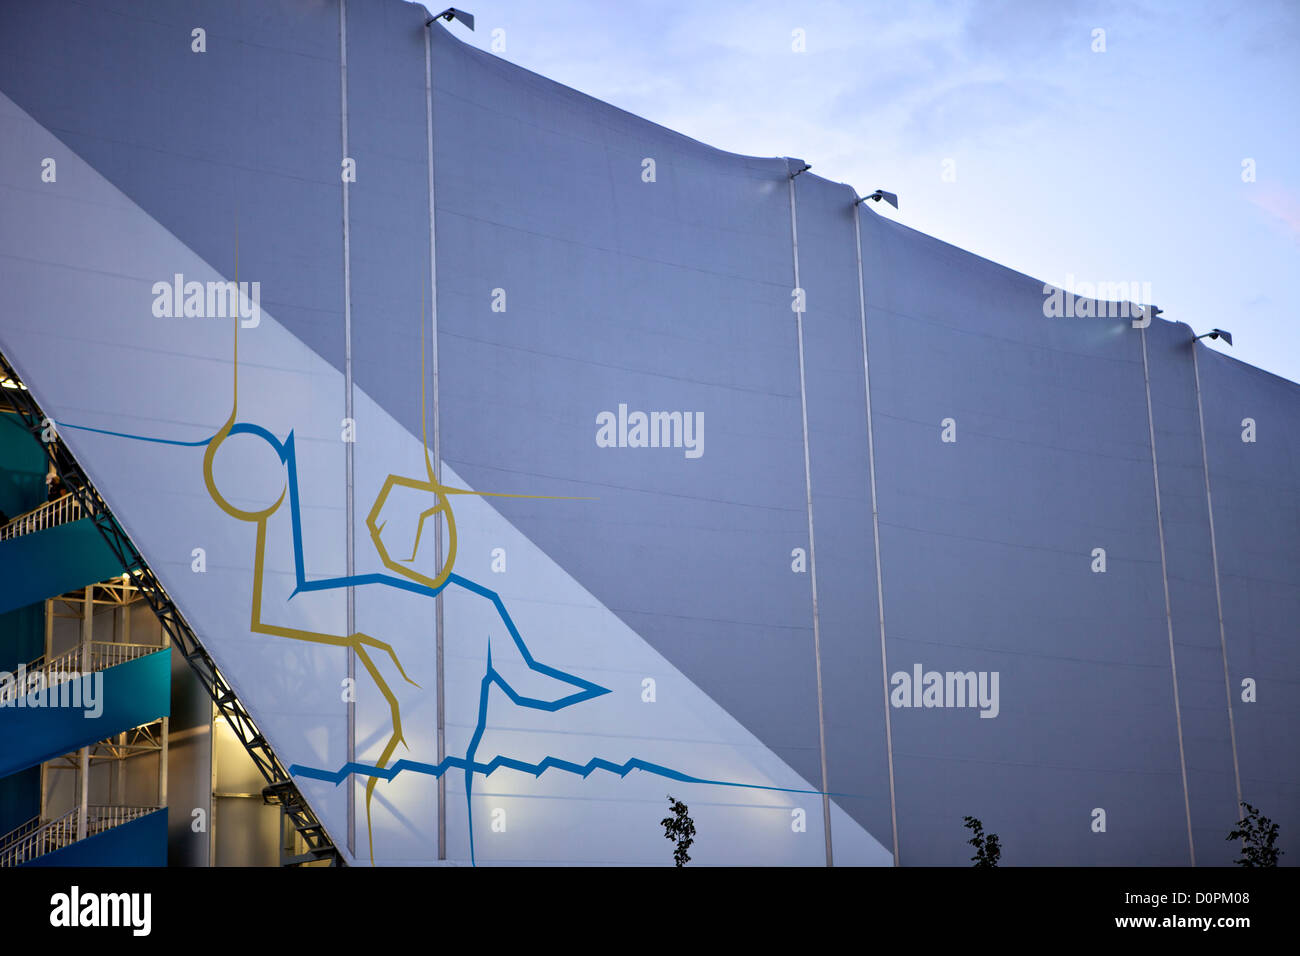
column 471, row 767
column 536, row 769
column 586, row 689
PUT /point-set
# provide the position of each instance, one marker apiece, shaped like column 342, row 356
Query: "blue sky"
column 1122, row 165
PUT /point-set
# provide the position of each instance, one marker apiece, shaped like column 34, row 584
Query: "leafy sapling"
column 681, row 829
column 1258, row 836
column 987, row 848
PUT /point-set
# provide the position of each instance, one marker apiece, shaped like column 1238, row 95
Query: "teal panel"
column 141, row 842
column 20, row 798
column 52, row 562
column 125, row 696
column 22, row 468
column 22, row 635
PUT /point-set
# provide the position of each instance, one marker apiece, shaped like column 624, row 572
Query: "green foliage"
column 1259, row 837
column 680, row 828
column 987, row 849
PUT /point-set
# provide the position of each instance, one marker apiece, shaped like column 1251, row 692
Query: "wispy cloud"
column 1281, row 205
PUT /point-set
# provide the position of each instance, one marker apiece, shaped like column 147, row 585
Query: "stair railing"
column 35, row 838
column 45, row 838
column 61, row 510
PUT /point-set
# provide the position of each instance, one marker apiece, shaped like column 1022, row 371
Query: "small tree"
column 1258, row 835
column 680, row 828
column 987, row 849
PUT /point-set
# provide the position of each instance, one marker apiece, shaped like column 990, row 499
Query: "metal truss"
column 280, row 790
column 145, row 739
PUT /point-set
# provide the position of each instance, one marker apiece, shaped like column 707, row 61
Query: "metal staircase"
column 72, row 665
column 48, row 515
column 34, row 838
column 280, row 789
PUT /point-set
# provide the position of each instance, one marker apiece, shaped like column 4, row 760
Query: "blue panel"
column 141, row 842
column 22, row 635
column 111, row 701
column 22, row 468
column 48, row 563
column 20, row 798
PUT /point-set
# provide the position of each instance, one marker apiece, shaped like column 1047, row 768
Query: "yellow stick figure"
column 358, row 641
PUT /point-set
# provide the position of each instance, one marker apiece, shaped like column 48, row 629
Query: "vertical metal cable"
column 1218, row 593
column 875, row 532
column 812, row 548
column 1169, row 613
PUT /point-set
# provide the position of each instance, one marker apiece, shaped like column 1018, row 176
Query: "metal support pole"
column 83, row 790
column 121, row 613
column 162, row 764
column 117, row 788
column 87, row 627
column 212, row 787
column 83, row 755
column 49, row 645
